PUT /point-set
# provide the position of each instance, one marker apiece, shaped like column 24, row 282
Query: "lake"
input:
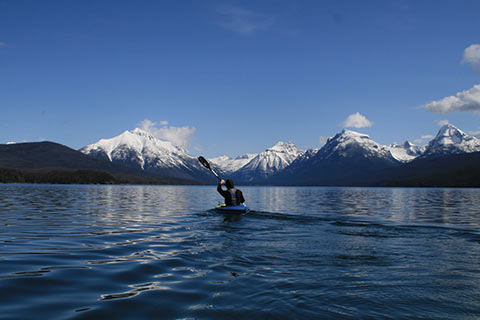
column 160, row 252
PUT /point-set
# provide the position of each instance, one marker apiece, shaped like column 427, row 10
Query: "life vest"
column 233, row 196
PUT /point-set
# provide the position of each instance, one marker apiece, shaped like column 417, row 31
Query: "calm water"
column 141, row 252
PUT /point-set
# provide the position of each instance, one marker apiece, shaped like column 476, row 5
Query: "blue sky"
column 231, row 77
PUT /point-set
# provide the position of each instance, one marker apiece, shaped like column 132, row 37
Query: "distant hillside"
column 40, row 155
column 46, row 159
column 56, row 176
column 458, row 170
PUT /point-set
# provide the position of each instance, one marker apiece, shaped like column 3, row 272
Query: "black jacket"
column 227, row 194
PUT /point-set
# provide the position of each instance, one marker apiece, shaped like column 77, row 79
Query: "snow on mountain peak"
column 347, row 142
column 141, row 133
column 350, row 133
column 230, row 165
column 137, row 146
column 450, row 139
column 284, row 147
column 405, row 152
column 279, row 156
column 269, row 161
column 346, row 137
column 449, row 134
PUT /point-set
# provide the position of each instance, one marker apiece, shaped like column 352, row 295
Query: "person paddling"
column 234, row 200
column 233, row 196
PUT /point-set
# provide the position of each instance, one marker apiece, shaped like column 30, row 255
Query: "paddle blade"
column 204, row 162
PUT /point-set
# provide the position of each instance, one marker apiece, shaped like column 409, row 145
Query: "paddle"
column 205, row 163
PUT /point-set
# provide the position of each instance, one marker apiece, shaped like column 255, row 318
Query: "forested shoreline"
column 56, row 176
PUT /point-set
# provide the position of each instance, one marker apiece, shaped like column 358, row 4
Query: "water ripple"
column 83, row 252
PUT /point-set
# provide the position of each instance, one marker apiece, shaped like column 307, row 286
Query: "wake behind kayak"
column 221, row 207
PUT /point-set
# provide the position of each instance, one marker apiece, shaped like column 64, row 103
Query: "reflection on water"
column 161, row 252
column 444, row 206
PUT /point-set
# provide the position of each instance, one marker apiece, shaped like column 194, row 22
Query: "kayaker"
column 233, row 196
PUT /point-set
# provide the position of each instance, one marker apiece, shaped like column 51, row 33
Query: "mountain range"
column 348, row 158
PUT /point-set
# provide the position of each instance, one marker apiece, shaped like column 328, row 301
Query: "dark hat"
column 229, row 183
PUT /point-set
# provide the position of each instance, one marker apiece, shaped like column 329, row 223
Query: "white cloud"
column 178, row 136
column 356, row 120
column 146, row 124
column 441, row 123
column 471, row 55
column 464, row 101
column 241, row 20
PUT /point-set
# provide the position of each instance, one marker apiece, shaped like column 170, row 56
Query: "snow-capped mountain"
column 139, row 149
column 268, row 162
column 347, row 158
column 350, row 143
column 451, row 140
column 229, row 165
column 406, row 152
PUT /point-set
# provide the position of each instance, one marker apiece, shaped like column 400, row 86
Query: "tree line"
column 56, row 176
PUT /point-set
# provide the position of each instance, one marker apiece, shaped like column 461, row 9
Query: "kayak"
column 221, row 207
